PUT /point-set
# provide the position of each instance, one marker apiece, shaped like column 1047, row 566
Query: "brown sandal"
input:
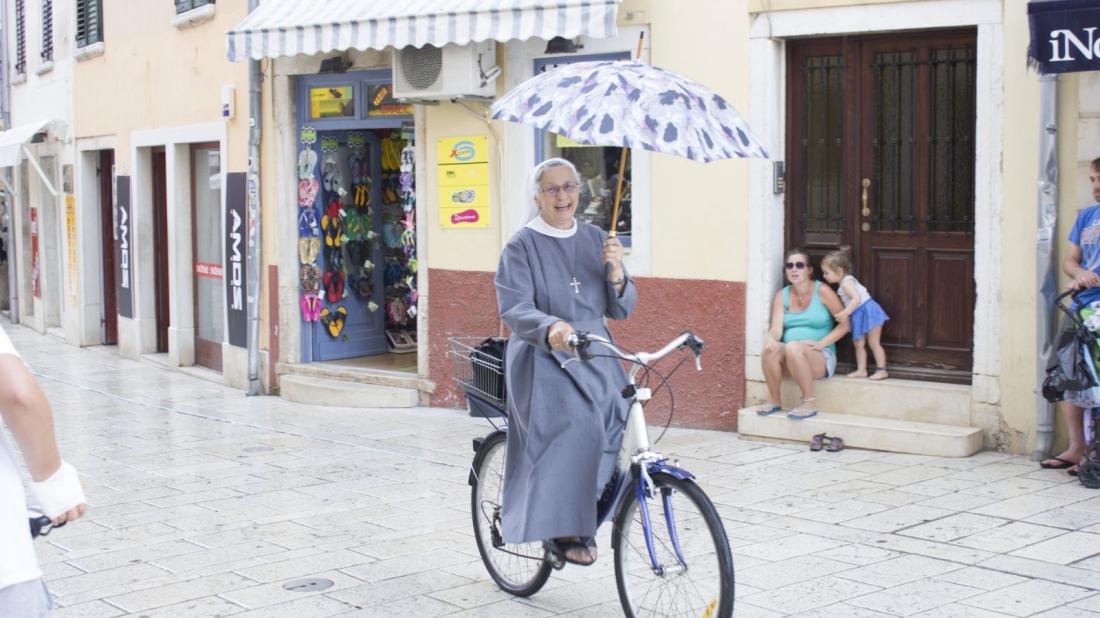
column 818, row 442
column 835, row 444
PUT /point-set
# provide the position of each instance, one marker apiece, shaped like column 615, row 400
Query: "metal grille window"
column 187, row 5
column 894, row 75
column 823, row 142
column 89, row 22
column 20, row 38
column 47, row 30
column 951, row 140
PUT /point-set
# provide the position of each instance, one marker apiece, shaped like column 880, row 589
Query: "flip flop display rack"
column 399, row 242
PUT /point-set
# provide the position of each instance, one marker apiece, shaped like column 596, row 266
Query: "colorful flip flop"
column 795, row 416
column 768, row 409
column 1066, row 464
column 311, row 307
column 334, row 286
column 336, row 324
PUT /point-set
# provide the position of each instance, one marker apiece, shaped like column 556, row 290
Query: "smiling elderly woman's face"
column 557, row 196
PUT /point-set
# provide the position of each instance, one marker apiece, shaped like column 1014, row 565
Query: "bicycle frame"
column 635, row 449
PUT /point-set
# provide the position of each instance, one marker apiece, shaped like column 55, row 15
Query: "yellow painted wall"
column 461, row 249
column 154, row 76
column 700, row 211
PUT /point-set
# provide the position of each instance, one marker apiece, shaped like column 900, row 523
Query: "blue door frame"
column 364, row 331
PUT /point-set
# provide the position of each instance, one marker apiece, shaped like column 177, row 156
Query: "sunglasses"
column 552, row 190
column 796, row 265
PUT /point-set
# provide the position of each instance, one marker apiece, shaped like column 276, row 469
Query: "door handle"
column 866, row 212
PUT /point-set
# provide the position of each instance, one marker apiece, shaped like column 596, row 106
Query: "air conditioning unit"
column 434, row 73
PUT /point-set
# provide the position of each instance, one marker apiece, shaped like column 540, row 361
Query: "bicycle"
column 678, row 564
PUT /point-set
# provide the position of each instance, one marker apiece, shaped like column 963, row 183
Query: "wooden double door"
column 881, row 158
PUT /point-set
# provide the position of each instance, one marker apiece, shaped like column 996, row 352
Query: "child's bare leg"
column 874, row 339
column 861, row 359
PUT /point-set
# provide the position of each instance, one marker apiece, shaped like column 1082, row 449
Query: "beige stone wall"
column 153, row 76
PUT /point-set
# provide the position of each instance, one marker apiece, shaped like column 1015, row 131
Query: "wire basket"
column 476, row 370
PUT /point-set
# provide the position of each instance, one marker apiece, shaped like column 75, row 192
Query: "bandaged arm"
column 28, row 416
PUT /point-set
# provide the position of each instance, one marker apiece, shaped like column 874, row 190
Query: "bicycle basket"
column 477, row 366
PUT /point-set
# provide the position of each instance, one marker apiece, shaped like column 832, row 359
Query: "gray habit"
column 564, row 425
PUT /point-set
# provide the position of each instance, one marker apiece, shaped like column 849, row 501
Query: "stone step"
column 900, row 400
column 345, row 394
column 380, row 377
column 880, row 434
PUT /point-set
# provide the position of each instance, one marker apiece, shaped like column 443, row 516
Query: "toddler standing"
column 866, row 315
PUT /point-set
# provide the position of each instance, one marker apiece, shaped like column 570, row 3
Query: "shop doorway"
column 881, row 158
column 356, row 222
column 160, row 248
column 108, row 245
column 206, row 239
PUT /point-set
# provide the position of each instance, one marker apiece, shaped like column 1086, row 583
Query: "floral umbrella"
column 633, row 105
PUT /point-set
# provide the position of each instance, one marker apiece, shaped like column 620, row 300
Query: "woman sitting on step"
column 802, row 337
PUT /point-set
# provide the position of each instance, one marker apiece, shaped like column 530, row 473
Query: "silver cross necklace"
column 576, row 285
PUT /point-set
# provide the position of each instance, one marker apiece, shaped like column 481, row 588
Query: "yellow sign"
column 70, row 233
column 335, row 102
column 457, row 150
column 469, row 174
column 464, row 182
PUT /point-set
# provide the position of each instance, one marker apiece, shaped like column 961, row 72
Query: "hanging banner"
column 464, row 182
column 236, row 231
column 35, row 287
column 70, row 236
column 380, row 102
column 125, row 241
column 332, row 102
column 1065, row 35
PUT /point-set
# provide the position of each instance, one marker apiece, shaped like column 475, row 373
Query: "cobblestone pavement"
column 205, row 502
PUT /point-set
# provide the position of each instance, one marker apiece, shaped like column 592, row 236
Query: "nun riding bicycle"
column 575, row 448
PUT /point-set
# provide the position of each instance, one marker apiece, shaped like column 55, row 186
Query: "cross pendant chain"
column 576, row 286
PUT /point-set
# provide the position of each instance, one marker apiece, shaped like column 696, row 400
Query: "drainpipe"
column 9, row 197
column 254, row 249
column 1045, row 257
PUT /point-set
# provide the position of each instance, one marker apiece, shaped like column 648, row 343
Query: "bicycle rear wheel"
column 702, row 584
column 521, row 569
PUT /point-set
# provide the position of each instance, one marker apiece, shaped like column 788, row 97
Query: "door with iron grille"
column 881, row 159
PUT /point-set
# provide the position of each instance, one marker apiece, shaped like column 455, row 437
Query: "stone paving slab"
column 205, row 502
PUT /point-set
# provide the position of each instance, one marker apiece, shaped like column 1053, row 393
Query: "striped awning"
column 291, row 27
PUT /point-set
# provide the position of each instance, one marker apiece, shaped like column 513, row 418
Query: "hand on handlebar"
column 1084, row 279
column 558, row 336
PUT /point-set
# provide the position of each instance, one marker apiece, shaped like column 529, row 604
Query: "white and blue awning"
column 290, row 27
column 1065, row 35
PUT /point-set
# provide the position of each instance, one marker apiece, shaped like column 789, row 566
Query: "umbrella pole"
column 622, row 165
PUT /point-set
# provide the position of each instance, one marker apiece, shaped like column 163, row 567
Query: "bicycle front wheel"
column 521, row 569
column 694, row 569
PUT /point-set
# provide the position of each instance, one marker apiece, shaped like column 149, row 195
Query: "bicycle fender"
column 481, row 453
column 663, row 466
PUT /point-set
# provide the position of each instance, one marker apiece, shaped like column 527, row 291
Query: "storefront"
column 346, row 244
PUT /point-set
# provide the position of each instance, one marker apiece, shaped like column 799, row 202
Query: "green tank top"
column 810, row 324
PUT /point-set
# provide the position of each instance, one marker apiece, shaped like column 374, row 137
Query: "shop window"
column 183, row 6
column 20, row 38
column 598, row 166
column 89, row 22
column 47, row 30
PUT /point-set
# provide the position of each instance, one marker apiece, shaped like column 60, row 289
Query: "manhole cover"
column 310, row 584
column 257, row 449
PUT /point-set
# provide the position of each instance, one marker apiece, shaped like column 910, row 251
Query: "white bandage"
column 60, row 493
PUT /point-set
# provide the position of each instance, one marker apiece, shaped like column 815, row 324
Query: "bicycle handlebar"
column 581, row 341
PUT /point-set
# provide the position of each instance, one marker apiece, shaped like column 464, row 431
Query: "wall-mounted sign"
column 464, row 182
column 332, row 102
column 236, row 231
column 70, row 235
column 380, row 102
column 125, row 241
column 564, row 142
column 35, row 287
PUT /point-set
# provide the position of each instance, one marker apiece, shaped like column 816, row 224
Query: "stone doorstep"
column 379, row 377
column 345, row 394
column 865, row 432
column 892, row 399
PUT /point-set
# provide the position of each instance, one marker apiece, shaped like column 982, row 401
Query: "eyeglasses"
column 552, row 190
column 796, row 265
